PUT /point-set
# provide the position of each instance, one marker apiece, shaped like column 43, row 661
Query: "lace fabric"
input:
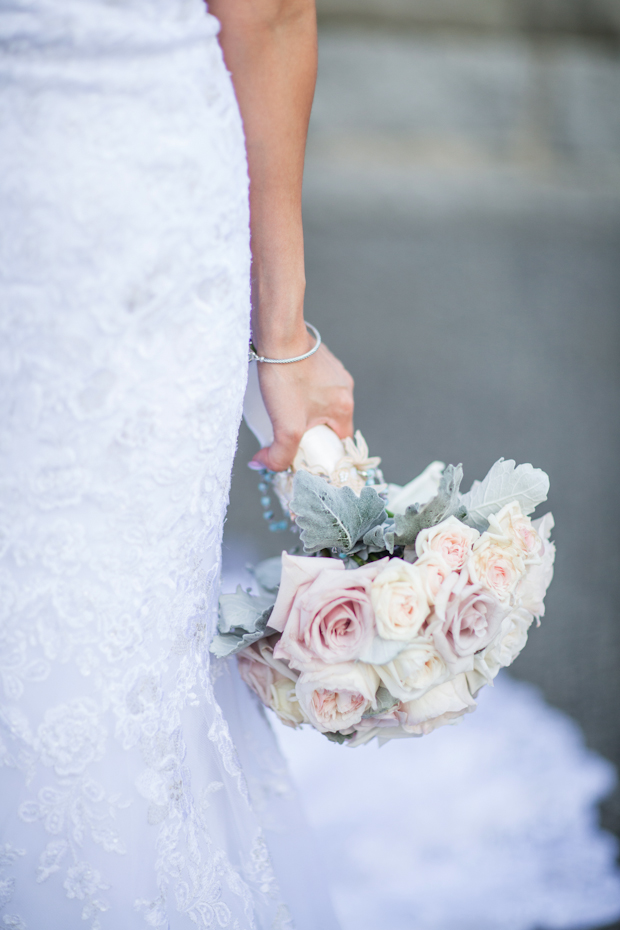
column 124, row 323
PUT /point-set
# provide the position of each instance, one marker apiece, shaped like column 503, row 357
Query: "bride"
column 140, row 786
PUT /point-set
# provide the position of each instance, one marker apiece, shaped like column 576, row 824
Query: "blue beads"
column 264, row 487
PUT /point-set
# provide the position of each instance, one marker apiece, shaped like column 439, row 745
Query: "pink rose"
column 467, row 617
column 260, row 670
column 451, row 539
column 336, row 697
column 324, row 612
column 271, row 680
column 257, row 674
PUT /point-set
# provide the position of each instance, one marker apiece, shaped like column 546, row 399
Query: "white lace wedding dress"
column 131, row 794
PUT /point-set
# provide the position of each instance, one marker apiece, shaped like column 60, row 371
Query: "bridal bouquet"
column 401, row 603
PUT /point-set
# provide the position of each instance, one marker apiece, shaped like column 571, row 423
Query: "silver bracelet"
column 254, row 357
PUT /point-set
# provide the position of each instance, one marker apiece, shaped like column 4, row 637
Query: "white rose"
column 283, row 700
column 320, row 448
column 531, row 591
column 400, row 601
column 513, row 635
column 440, row 705
column 336, row 697
column 451, row 539
column 433, row 570
column 319, row 452
column 413, row 672
column 497, row 567
column 502, row 652
column 510, row 526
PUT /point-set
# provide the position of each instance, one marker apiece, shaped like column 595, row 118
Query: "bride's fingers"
column 280, row 454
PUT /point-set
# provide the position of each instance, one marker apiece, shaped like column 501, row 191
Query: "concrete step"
column 600, row 18
column 495, row 121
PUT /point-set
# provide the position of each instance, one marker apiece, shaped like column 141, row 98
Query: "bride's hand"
column 301, row 395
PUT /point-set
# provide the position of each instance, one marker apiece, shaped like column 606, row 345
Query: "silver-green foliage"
column 268, row 573
column 380, row 537
column 243, row 621
column 330, row 517
column 385, row 702
column 446, row 503
column 504, row 484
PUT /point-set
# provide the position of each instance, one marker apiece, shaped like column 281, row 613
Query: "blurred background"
column 462, row 219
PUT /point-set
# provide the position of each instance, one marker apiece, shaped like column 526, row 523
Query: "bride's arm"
column 270, row 47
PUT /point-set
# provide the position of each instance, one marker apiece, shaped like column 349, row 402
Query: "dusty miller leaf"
column 268, row 573
column 339, row 737
column 380, row 537
column 503, row 484
column 385, row 703
column 446, row 503
column 242, row 610
column 330, row 517
column 243, row 621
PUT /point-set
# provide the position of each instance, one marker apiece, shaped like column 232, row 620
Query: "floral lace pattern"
column 123, row 339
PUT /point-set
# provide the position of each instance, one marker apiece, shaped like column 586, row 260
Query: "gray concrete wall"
column 463, row 255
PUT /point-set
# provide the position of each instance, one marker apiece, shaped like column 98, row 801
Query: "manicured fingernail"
column 255, row 466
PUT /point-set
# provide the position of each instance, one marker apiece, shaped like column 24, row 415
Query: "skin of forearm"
column 270, row 48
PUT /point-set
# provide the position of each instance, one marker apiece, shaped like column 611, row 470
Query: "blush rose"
column 323, row 612
column 271, row 680
column 336, row 697
column 451, row 539
column 467, row 618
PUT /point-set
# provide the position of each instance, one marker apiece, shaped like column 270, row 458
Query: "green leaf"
column 243, row 621
column 242, row 610
column 268, row 573
column 504, row 484
column 229, row 644
column 385, row 703
column 330, row 517
column 445, row 504
column 339, row 737
column 381, row 537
